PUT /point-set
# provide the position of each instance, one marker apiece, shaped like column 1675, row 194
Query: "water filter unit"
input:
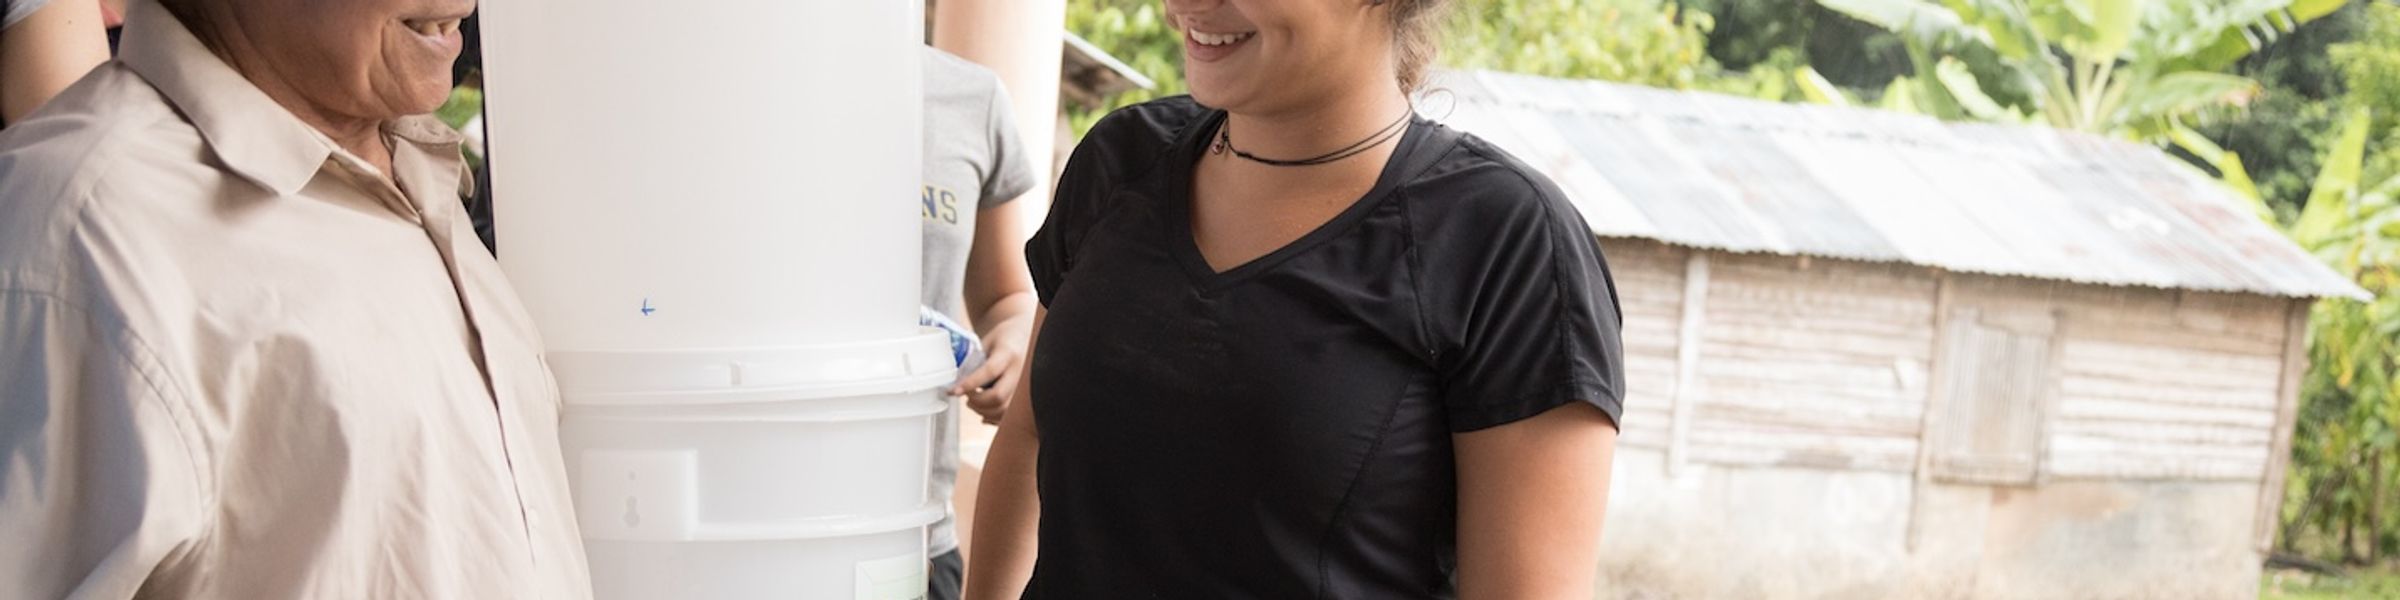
column 704, row 207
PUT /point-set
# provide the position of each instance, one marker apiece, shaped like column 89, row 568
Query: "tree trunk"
column 2349, row 537
column 2375, row 506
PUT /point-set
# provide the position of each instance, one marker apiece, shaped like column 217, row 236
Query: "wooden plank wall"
column 1649, row 278
column 1819, row 363
column 1826, row 363
column 2156, row 384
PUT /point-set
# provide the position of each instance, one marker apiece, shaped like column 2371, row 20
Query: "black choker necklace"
column 1225, row 144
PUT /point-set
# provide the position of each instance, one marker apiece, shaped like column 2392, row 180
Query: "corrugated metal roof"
column 1725, row 173
column 1089, row 75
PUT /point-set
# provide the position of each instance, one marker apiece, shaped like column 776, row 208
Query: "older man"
column 248, row 345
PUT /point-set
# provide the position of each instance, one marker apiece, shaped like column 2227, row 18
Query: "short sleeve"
column 1050, row 253
column 1521, row 303
column 100, row 486
column 1124, row 145
column 1012, row 168
column 12, row 11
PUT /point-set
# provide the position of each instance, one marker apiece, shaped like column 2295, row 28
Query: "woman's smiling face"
column 1264, row 55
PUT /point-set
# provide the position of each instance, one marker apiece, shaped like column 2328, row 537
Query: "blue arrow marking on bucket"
column 646, row 308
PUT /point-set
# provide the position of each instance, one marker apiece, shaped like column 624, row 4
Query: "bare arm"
column 1000, row 302
column 47, row 51
column 1008, row 509
column 1531, row 497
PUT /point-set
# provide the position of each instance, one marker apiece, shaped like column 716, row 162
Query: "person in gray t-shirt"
column 45, row 46
column 974, row 262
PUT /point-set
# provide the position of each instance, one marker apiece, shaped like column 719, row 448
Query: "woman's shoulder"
column 1478, row 187
column 1157, row 121
column 1136, row 136
column 1125, row 147
column 1120, row 151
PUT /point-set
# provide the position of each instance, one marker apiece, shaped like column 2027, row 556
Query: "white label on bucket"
column 896, row 578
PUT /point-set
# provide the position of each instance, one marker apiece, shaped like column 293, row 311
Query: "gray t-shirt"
column 12, row 11
column 973, row 161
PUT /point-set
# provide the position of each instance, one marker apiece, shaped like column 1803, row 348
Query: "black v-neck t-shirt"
column 1283, row 429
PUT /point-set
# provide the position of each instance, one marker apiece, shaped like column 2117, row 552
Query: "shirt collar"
column 249, row 132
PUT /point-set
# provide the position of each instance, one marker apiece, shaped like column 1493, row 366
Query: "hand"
column 991, row 386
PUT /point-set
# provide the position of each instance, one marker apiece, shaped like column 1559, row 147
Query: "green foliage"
column 2282, row 133
column 2343, row 501
column 2126, row 68
column 1136, row 32
column 1747, row 32
column 465, row 102
column 2370, row 66
column 2302, row 586
column 2280, row 139
column 1631, row 41
column 1648, row 42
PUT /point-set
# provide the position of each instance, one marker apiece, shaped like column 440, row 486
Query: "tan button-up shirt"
column 237, row 362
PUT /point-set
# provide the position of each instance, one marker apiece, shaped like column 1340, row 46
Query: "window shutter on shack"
column 1999, row 373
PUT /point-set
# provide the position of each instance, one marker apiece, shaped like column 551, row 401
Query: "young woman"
column 1298, row 343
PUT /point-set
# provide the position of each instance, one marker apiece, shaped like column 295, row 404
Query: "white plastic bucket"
column 705, row 208
column 822, row 498
column 794, row 473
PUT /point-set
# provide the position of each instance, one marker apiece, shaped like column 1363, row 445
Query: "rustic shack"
column 1873, row 355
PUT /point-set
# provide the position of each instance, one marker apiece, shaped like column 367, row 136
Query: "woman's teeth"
column 433, row 28
column 1219, row 39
